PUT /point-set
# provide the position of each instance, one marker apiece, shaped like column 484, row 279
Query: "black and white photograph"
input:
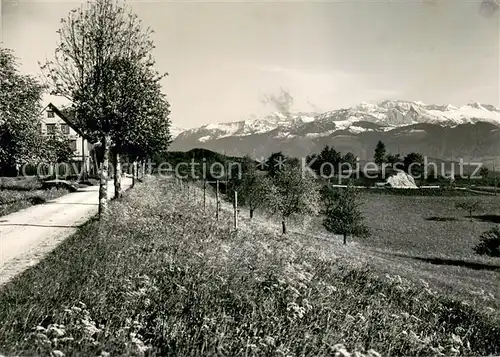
column 285, row 178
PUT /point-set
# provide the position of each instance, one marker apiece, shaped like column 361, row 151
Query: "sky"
column 224, row 57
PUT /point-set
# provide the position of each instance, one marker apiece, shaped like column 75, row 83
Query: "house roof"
column 68, row 117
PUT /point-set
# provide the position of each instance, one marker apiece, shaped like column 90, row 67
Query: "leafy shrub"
column 489, row 243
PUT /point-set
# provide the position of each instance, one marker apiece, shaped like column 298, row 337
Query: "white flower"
column 373, row 353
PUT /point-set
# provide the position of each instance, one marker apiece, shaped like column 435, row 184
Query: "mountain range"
column 439, row 131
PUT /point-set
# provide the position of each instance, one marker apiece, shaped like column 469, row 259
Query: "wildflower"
column 340, row 351
column 373, row 353
column 41, row 337
column 270, row 341
column 296, row 310
column 424, row 283
column 331, row 289
column 456, row 339
column 349, row 318
column 56, row 331
column 139, row 346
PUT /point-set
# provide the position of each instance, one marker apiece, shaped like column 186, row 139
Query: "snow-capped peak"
column 380, row 116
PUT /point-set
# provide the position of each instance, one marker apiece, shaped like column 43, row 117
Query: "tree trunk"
column 83, row 176
column 251, row 213
column 117, row 179
column 345, row 238
column 103, row 184
column 134, row 172
column 283, row 226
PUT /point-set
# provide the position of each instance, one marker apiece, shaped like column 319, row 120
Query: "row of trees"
column 103, row 65
column 335, row 160
column 285, row 192
column 408, row 163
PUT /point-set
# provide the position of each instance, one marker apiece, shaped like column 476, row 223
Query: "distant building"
column 55, row 120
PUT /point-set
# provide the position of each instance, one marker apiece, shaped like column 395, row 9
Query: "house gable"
column 53, row 120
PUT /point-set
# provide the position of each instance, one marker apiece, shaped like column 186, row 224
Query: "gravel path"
column 27, row 235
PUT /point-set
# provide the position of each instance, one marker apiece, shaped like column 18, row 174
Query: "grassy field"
column 429, row 238
column 159, row 277
column 20, row 193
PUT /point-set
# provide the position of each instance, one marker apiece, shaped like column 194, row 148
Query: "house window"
column 51, row 129
column 72, row 145
column 65, row 129
column 50, row 114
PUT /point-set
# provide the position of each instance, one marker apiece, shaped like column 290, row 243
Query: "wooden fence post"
column 204, row 194
column 217, row 200
column 235, row 207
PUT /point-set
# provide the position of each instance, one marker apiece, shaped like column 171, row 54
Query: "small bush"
column 470, row 206
column 489, row 243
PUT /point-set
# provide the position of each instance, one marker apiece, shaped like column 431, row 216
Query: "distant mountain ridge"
column 435, row 130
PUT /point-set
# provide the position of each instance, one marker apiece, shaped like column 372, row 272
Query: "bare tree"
column 469, row 205
column 92, row 37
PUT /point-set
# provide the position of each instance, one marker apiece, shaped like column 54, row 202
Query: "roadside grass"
column 159, row 277
column 17, row 193
column 15, row 200
column 28, row 183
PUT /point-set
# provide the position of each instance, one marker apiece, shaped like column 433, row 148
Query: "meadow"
column 160, row 276
column 429, row 238
column 20, row 193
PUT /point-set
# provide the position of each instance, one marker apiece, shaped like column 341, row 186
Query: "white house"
column 53, row 120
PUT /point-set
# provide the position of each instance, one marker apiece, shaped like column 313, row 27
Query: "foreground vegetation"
column 167, row 280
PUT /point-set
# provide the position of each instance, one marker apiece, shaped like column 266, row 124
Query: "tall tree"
column 292, row 194
column 142, row 125
column 349, row 159
column 148, row 133
column 331, row 160
column 91, row 40
column 20, row 107
column 393, row 160
column 275, row 163
column 414, row 165
column 342, row 213
column 380, row 152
